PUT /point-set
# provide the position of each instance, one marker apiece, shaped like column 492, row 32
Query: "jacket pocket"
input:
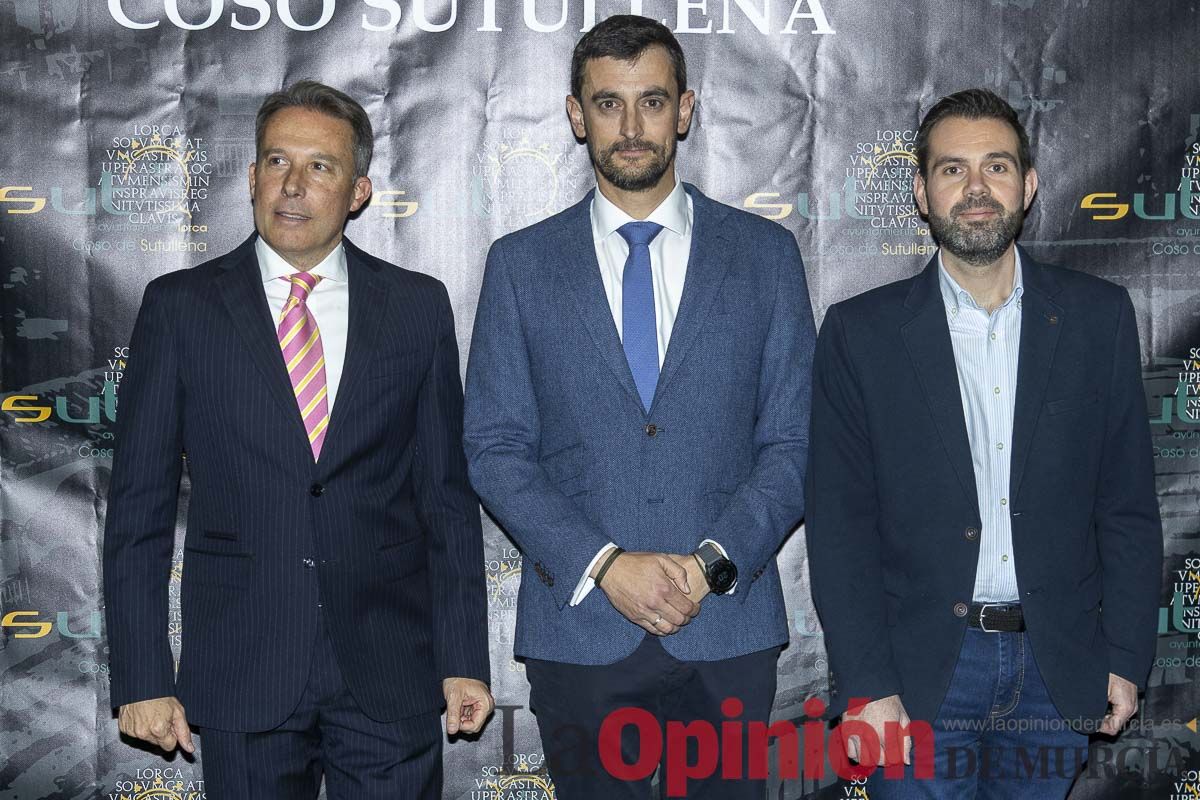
column 395, row 561
column 398, row 364
column 1065, row 404
column 230, row 536
column 228, row 570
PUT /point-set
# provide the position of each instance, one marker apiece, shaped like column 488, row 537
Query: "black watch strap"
column 719, row 571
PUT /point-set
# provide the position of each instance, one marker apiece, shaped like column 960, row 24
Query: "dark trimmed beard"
column 637, row 179
column 977, row 243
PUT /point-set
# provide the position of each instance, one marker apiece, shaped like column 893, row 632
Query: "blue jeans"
column 997, row 733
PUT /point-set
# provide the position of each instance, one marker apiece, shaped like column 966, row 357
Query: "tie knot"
column 302, row 284
column 642, row 233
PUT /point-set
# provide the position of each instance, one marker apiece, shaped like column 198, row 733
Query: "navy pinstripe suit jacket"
column 383, row 530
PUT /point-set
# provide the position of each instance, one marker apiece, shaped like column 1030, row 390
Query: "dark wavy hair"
column 625, row 37
column 971, row 104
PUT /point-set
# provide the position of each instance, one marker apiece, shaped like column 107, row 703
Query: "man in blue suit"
column 636, row 419
column 333, row 591
column 983, row 530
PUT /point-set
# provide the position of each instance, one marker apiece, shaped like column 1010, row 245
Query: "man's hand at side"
column 877, row 714
column 1122, row 696
column 651, row 591
column 160, row 721
column 468, row 704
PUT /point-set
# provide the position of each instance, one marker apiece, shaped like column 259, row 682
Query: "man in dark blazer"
column 636, row 419
column 983, row 531
column 333, row 595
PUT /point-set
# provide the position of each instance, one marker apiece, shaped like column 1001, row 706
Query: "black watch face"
column 722, row 576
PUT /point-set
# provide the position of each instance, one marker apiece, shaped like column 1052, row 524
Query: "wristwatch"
column 719, row 571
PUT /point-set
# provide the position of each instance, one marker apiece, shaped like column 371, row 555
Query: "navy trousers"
column 327, row 736
column 571, row 702
column 997, row 734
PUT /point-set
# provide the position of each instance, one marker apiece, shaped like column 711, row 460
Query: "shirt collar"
column 674, row 213
column 955, row 297
column 273, row 266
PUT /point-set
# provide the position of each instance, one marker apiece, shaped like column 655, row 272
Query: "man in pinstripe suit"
column 334, row 591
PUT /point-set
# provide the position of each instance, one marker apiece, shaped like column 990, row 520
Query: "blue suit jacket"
column 559, row 446
column 893, row 517
column 383, row 530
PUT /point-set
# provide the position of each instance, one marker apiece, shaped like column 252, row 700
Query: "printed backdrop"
column 126, row 127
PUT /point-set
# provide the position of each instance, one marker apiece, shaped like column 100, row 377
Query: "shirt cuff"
column 717, row 545
column 586, row 584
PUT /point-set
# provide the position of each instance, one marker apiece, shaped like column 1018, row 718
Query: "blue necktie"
column 639, row 332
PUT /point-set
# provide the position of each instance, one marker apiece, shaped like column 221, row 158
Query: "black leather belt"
column 996, row 617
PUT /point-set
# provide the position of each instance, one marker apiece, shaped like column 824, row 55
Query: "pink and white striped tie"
column 300, row 339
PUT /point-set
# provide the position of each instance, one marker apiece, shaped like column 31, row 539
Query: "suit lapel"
column 1041, row 324
column 581, row 274
column 927, row 339
column 241, row 289
column 368, row 300
column 708, row 261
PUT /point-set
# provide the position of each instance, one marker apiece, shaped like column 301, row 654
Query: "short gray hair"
column 325, row 100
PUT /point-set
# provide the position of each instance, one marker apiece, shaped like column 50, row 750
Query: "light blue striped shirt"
column 985, row 355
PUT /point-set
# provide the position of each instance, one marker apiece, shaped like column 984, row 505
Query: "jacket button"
column 308, row 563
column 651, row 430
column 316, row 490
column 960, row 609
column 972, row 534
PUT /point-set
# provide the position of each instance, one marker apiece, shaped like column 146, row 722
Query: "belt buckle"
column 982, row 612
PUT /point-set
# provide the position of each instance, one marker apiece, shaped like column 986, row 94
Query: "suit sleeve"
column 1128, row 529
column 502, row 439
column 449, row 514
column 139, row 529
column 842, row 528
column 770, row 503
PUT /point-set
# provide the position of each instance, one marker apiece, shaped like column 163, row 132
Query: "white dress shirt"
column 986, row 348
column 669, row 252
column 329, row 303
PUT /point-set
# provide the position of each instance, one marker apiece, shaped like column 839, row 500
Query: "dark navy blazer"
column 383, row 530
column 562, row 452
column 893, row 518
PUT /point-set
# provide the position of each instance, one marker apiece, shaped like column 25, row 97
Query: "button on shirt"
column 669, row 252
column 985, row 355
column 329, row 303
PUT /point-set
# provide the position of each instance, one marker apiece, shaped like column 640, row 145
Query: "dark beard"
column 635, row 180
column 977, row 243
